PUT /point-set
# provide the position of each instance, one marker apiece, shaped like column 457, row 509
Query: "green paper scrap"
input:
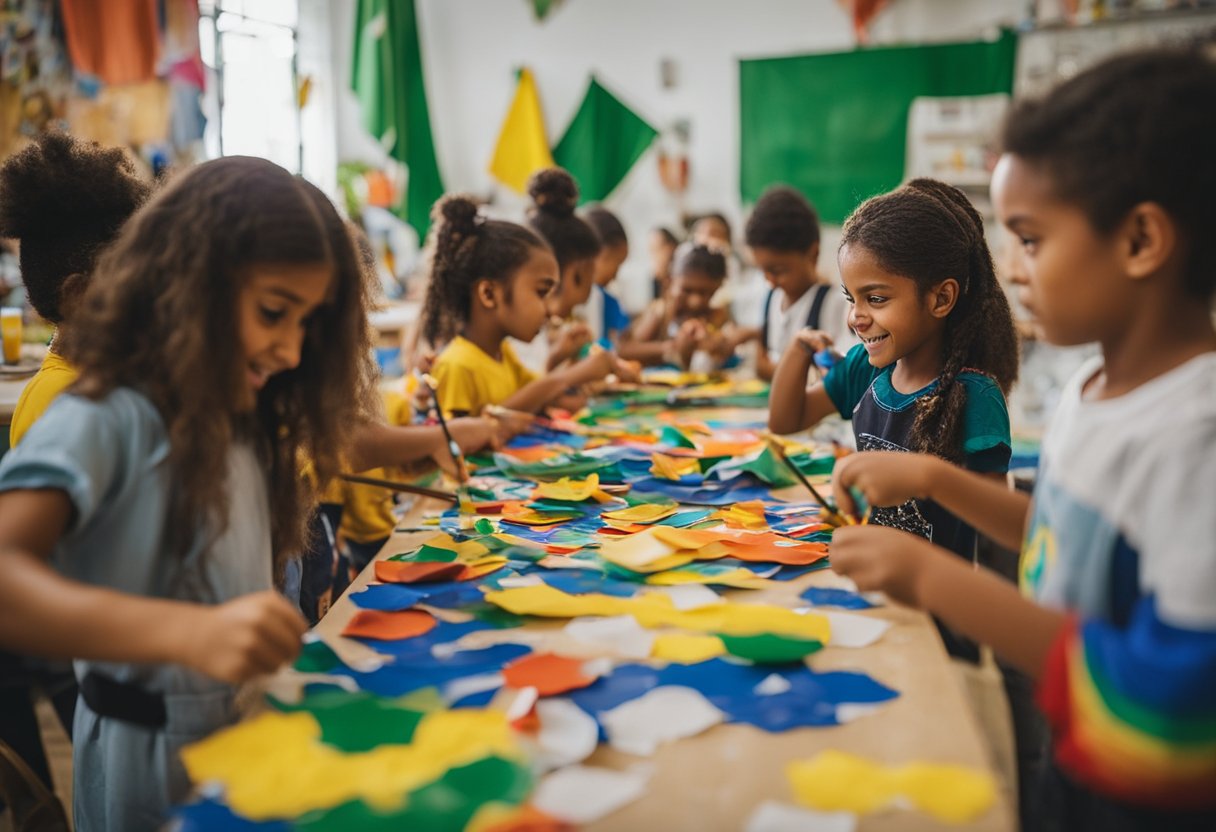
column 484, row 526
column 316, row 657
column 575, row 466
column 708, row 462
column 355, row 722
column 675, row 437
column 768, row 648
column 496, row 617
column 773, row 471
column 432, row 554
column 446, row 805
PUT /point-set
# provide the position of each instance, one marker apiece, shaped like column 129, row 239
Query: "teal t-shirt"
column 986, row 442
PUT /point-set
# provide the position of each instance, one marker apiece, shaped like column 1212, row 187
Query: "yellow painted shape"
column 276, row 766
column 687, row 649
column 838, row 781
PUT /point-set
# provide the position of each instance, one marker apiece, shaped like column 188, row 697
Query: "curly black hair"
column 697, row 257
column 783, row 220
column 1135, row 128
column 927, row 230
column 468, row 248
column 554, row 196
column 65, row 200
column 606, row 225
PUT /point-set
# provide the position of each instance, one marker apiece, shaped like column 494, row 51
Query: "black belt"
column 124, row 701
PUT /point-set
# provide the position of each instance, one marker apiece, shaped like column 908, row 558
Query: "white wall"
column 471, row 49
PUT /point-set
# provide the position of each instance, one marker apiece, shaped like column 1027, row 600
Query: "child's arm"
column 765, row 368
column 375, row 444
column 890, row 479
column 792, row 407
column 535, row 395
column 43, row 613
column 977, row 603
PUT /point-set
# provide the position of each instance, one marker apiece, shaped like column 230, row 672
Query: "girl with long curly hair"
column 222, row 341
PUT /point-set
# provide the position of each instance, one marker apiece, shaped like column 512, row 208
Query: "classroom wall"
column 471, row 49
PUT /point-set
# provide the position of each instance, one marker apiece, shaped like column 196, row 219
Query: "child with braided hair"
column 938, row 351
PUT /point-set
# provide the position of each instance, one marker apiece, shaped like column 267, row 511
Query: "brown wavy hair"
column 929, row 231
column 160, row 317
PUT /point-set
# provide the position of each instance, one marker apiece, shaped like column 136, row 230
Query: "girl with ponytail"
column 492, row 280
column 938, row 352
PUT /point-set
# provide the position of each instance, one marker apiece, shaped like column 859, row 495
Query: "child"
column 224, row 336
column 65, row 201
column 604, row 313
column 1107, row 182
column 783, row 235
column 683, row 324
column 576, row 246
column 493, row 280
column 662, row 250
column 938, row 351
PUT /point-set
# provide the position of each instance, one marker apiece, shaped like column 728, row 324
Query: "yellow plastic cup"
column 10, row 332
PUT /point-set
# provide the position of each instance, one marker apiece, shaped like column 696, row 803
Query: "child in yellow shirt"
column 492, row 280
column 66, row 202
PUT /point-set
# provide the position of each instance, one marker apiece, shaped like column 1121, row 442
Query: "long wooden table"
column 715, row 780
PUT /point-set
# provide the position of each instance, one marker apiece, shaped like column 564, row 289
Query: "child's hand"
column 625, row 370
column 885, row 478
column 884, row 559
column 571, row 338
column 688, row 338
column 245, row 637
column 472, row 433
column 810, row 340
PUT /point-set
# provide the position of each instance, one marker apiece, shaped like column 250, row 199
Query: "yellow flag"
column 521, row 149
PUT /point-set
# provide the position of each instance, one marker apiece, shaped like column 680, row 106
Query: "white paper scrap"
column 771, row 816
column 582, row 794
column 665, row 713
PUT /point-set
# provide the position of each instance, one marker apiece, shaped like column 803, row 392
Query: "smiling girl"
column 938, row 350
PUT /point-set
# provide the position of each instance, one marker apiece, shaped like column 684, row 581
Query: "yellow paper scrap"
column 748, row 516
column 639, row 552
column 655, row 610
column 738, row 578
column 837, row 781
column 276, row 766
column 674, row 467
column 642, row 513
column 572, row 490
column 687, row 649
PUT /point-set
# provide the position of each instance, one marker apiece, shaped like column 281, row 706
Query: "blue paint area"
column 822, row 596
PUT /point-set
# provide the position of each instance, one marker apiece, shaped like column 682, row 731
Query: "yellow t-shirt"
column 469, row 379
column 55, row 376
column 367, row 510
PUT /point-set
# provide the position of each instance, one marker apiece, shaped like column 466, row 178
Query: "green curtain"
column 835, row 126
column 387, row 79
column 602, row 143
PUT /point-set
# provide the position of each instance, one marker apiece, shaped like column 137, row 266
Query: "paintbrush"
column 833, row 517
column 462, row 471
column 404, row 488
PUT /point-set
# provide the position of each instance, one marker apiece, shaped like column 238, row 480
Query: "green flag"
column 835, row 126
column 387, row 78
column 602, row 143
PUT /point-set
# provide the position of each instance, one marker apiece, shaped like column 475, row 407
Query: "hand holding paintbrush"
column 832, row 515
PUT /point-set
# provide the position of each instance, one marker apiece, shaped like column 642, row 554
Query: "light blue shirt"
column 111, row 457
